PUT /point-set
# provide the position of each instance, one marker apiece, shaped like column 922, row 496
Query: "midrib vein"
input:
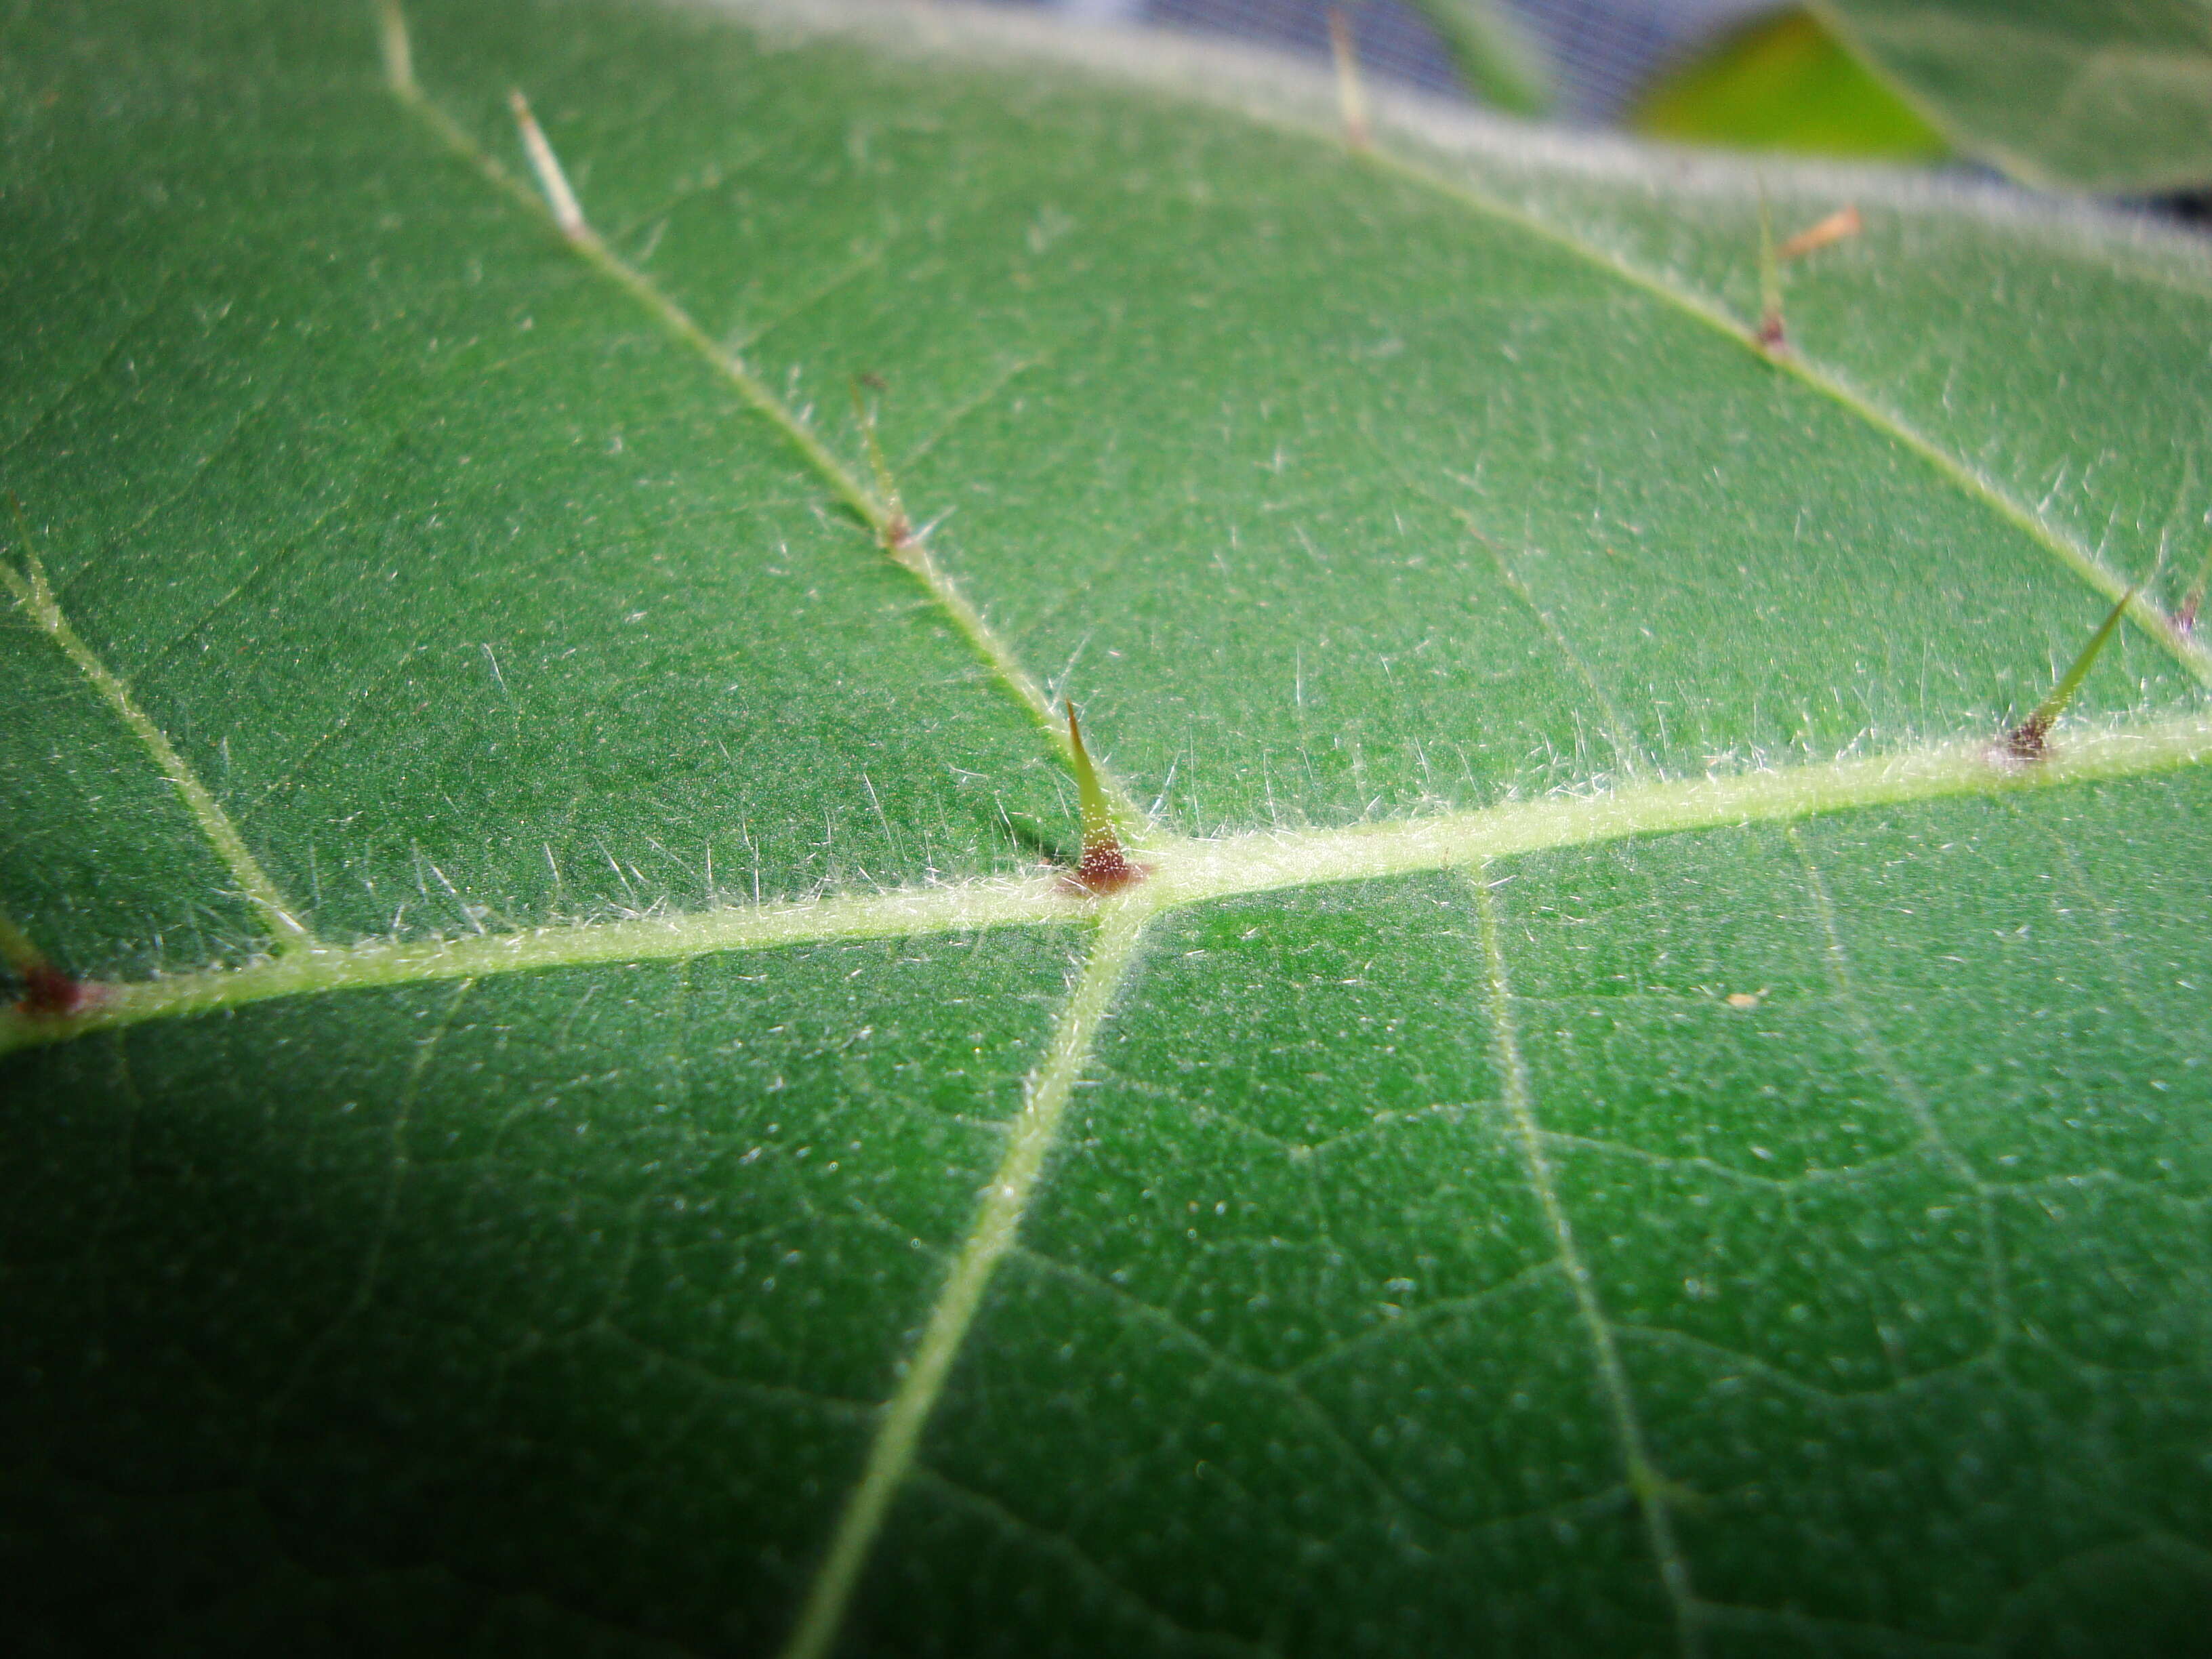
column 991, row 1234
column 1184, row 872
column 1644, row 1479
column 35, row 595
column 911, row 555
column 1829, row 384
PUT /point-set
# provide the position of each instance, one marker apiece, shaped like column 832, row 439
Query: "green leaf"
column 1784, row 82
column 1617, row 1120
column 2073, row 93
column 1490, row 52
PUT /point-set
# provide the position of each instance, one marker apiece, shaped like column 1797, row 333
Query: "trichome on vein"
column 1105, row 868
column 2028, row 741
column 1771, row 337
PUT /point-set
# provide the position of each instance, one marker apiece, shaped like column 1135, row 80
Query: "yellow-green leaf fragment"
column 1492, row 53
column 1786, row 83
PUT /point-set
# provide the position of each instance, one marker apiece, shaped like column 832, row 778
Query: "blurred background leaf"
column 1785, row 82
column 1492, row 53
column 2085, row 94
column 2074, row 94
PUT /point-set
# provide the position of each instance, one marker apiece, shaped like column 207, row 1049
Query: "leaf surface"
column 2067, row 92
column 1614, row 1123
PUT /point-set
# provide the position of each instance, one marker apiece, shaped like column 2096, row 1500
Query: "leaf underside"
column 1778, row 1231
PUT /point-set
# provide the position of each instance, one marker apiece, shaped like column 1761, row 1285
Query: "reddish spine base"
column 2025, row 742
column 1105, row 868
column 50, row 993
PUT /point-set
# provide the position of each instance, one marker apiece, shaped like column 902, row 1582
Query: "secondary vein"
column 1836, row 388
column 1644, row 1479
column 991, row 1234
column 36, row 596
column 559, row 207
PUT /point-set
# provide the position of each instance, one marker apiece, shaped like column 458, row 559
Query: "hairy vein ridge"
column 1837, row 387
column 1182, row 872
column 35, row 595
column 900, row 913
column 1649, row 1487
column 997, row 1223
column 558, row 205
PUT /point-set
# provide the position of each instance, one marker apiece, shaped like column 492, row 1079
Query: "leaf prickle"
column 1105, row 868
column 2028, row 740
column 896, row 529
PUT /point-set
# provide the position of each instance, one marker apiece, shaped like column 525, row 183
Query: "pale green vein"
column 1192, row 871
column 1182, row 872
column 35, row 596
column 1168, row 1634
column 1869, row 1043
column 903, row 913
column 1650, row 1486
column 2128, row 971
column 1616, row 733
column 1289, row 114
column 997, row 1224
column 1979, row 485
column 1616, row 729
column 372, row 1270
column 558, row 206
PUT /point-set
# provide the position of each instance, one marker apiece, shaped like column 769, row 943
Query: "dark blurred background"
column 2109, row 100
column 1601, row 53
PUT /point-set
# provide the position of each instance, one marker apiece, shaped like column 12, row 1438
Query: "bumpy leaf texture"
column 1618, row 1122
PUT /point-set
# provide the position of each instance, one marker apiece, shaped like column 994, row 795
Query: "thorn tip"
column 1843, row 223
column 399, row 53
column 48, row 993
column 2185, row 619
column 894, row 526
column 1350, row 94
column 568, row 212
